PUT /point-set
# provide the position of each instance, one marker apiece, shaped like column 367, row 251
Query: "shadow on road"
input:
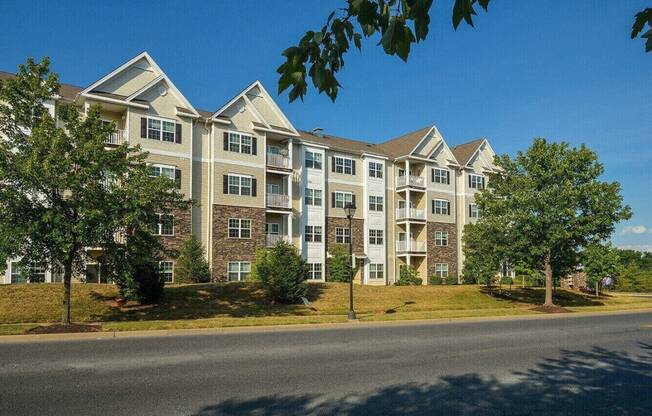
column 598, row 382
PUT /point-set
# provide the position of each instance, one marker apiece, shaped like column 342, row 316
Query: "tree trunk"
column 523, row 281
column 548, row 273
column 597, row 288
column 67, row 277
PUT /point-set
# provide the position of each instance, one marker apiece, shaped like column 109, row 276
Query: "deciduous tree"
column 599, row 261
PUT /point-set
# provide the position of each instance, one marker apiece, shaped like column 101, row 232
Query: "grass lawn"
column 243, row 304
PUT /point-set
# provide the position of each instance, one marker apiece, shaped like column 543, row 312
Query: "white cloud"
column 642, row 247
column 635, row 229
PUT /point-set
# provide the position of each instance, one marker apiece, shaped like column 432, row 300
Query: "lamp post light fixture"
column 350, row 211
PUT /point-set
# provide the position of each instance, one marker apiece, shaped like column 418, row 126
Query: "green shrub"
column 146, row 286
column 191, row 265
column 634, row 281
column 434, row 280
column 339, row 264
column 409, row 277
column 451, row 280
column 282, row 273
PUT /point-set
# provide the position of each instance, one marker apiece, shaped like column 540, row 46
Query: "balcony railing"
column 278, row 200
column 278, row 161
column 272, row 239
column 116, row 138
column 411, row 246
column 418, row 181
column 410, row 213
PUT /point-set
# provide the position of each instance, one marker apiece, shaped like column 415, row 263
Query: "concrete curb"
column 298, row 327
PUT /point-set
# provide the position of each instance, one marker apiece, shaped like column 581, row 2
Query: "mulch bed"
column 551, row 309
column 64, row 329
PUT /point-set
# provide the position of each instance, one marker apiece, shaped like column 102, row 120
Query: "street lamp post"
column 350, row 210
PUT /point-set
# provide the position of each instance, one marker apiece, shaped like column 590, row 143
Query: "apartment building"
column 256, row 180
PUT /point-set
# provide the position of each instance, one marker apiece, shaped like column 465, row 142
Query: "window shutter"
column 483, row 182
column 254, row 146
column 333, row 200
column 226, row 140
column 177, row 136
column 448, row 208
column 469, row 210
column 433, row 205
column 353, row 167
column 469, row 181
column 225, row 179
column 333, row 164
column 353, row 199
column 448, row 177
column 177, row 178
column 143, row 127
column 253, row 187
column 432, row 175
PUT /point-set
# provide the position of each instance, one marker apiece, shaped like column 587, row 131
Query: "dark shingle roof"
column 404, row 144
column 342, row 144
column 464, row 151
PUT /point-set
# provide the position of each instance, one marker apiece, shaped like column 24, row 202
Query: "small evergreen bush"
column 282, row 273
column 339, row 264
column 409, row 277
column 191, row 265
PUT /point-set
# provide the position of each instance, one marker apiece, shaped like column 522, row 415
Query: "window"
column 273, row 150
column 166, row 268
column 441, row 238
column 376, row 271
column 312, row 234
column 162, row 170
column 239, row 228
column 473, row 211
column 441, row 176
column 343, row 165
column 239, row 271
column 313, row 197
column 376, row 237
column 272, row 228
column 313, row 160
column 342, row 235
column 164, row 225
column 375, row 203
column 375, row 170
column 240, row 185
column 315, row 272
column 240, row 143
column 342, row 199
column 159, row 129
column 33, row 273
column 273, row 188
column 441, row 207
column 441, row 270
column 476, row 181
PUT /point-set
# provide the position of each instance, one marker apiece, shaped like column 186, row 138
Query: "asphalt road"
column 563, row 366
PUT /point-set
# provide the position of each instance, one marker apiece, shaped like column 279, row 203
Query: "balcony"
column 278, row 161
column 272, row 239
column 116, row 138
column 278, row 201
column 416, row 181
column 412, row 246
column 410, row 213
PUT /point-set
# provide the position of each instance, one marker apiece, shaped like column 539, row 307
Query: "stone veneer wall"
column 357, row 232
column 442, row 254
column 182, row 231
column 227, row 249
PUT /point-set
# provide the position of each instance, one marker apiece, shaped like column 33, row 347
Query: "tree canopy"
column 548, row 203
column 398, row 24
column 62, row 190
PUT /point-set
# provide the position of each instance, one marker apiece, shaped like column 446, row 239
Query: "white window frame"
column 342, row 235
column 242, row 273
column 156, row 170
column 242, row 226
column 473, row 211
column 342, row 198
column 36, row 269
column 315, row 161
column 159, row 225
column 239, row 185
column 376, row 271
column 165, row 272
column 311, row 196
column 476, row 181
column 312, row 234
column 441, row 176
column 161, row 129
column 343, row 165
column 441, row 237
column 271, row 226
column 376, row 203
column 375, row 170
column 316, row 271
column 441, row 270
column 441, row 206
column 238, row 142
column 376, row 236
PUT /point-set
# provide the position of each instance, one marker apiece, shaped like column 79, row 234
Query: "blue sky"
column 556, row 69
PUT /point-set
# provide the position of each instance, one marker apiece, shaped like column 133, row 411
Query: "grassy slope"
column 211, row 305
